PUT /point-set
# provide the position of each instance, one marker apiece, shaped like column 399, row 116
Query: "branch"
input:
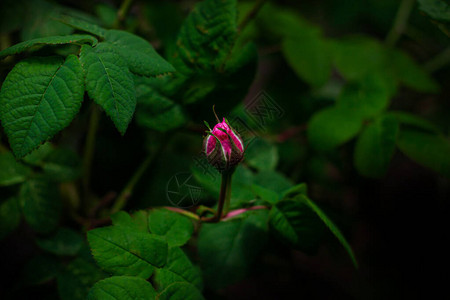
column 400, row 22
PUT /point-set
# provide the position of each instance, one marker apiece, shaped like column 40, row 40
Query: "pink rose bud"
column 223, row 146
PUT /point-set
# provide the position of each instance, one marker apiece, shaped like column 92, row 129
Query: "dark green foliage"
column 41, row 205
column 228, row 249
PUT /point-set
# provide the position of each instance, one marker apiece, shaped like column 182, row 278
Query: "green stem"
column 127, row 191
column 89, row 148
column 253, row 12
column 122, row 13
column 400, row 22
column 438, row 62
column 224, row 197
column 228, row 194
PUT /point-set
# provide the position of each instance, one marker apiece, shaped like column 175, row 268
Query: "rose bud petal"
column 223, row 146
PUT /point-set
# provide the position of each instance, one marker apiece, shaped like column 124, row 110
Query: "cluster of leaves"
column 52, row 88
column 145, row 245
column 363, row 96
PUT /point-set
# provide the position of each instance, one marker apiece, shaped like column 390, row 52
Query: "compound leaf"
column 109, row 83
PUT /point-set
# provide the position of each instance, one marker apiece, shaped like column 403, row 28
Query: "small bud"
column 223, row 146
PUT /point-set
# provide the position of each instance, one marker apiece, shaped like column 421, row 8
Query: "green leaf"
column 332, row 127
column 39, row 97
column 273, row 180
column 410, row 120
column 355, row 58
column 107, row 14
column 410, row 73
column 62, row 165
column 40, row 269
column 36, row 44
column 178, row 269
column 265, row 194
column 121, row 251
column 375, row 147
column 137, row 222
column 109, row 83
column 261, row 155
column 64, row 242
column 331, row 226
column 180, row 291
column 296, row 224
column 206, row 36
column 365, row 98
column 175, row 228
column 437, row 9
column 41, row 205
column 285, row 22
column 75, row 280
column 83, row 26
column 36, row 157
column 310, row 58
column 122, row 288
column 9, row 216
column 11, row 171
column 300, row 188
column 139, row 54
column 158, row 112
column 428, row 150
column 227, row 249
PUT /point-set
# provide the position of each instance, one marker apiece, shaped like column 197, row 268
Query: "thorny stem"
column 400, row 22
column 89, row 148
column 127, row 191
